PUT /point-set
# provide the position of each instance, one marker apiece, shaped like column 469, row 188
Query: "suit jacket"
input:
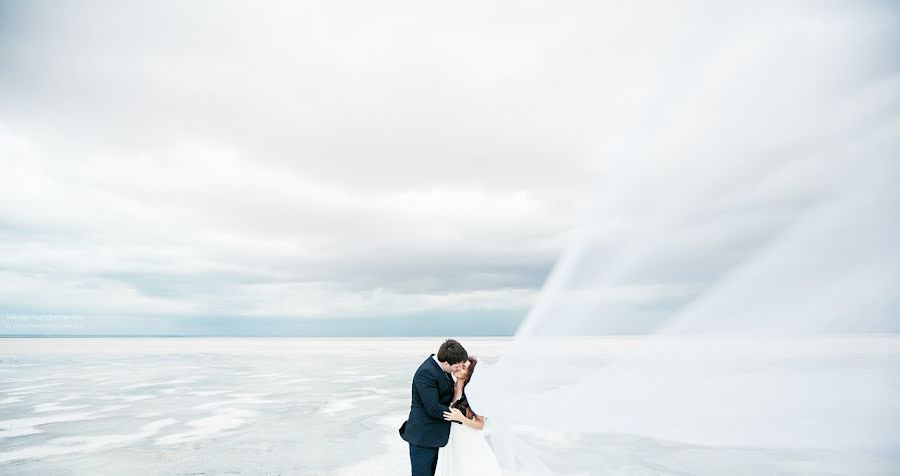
column 432, row 393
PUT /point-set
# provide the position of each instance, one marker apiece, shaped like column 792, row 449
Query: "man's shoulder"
column 427, row 366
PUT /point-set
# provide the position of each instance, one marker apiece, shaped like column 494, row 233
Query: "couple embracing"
column 443, row 431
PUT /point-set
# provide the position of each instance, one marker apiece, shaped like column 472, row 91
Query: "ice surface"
column 290, row 407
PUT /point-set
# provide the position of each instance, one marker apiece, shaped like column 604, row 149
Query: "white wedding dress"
column 467, row 454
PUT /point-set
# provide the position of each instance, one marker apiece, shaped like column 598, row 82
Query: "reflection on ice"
column 344, row 404
column 202, row 428
column 28, row 425
column 55, row 407
column 70, row 445
column 240, row 399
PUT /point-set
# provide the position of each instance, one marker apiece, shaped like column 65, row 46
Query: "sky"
column 166, row 165
column 316, row 168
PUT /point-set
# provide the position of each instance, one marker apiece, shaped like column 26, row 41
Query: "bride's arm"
column 477, row 422
column 455, row 415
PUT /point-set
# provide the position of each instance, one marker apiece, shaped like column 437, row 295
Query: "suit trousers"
column 423, row 460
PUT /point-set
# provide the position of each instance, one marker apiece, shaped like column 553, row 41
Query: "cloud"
column 355, row 159
column 306, row 160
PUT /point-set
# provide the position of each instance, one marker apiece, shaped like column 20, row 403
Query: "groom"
column 432, row 392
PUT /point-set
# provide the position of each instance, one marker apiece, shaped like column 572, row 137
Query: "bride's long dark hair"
column 463, row 403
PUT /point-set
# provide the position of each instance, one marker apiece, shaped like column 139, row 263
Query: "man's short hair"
column 452, row 352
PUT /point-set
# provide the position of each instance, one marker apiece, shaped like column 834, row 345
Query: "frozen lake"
column 210, row 406
column 206, row 406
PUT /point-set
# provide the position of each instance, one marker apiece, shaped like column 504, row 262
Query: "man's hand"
column 454, row 415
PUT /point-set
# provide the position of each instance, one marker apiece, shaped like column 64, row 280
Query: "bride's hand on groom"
column 454, row 415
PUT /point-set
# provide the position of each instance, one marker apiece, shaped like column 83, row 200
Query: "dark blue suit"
column 426, row 430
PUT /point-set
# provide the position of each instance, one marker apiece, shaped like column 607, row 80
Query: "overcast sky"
column 308, row 159
column 379, row 167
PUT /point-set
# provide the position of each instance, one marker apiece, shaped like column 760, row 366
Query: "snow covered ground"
column 213, row 406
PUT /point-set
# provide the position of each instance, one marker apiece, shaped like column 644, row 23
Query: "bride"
column 467, row 452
